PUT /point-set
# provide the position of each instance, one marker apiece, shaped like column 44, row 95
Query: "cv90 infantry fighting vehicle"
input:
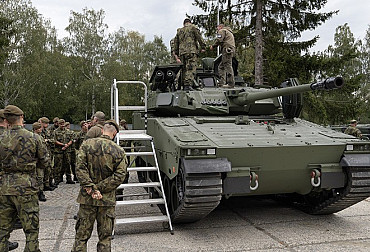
column 214, row 142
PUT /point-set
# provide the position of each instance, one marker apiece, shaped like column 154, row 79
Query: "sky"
column 163, row 17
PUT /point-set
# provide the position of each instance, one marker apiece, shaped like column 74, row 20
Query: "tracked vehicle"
column 213, row 143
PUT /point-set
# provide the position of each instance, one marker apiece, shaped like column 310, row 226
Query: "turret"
column 167, row 98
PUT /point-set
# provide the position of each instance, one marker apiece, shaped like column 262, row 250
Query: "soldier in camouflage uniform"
column 97, row 125
column 225, row 39
column 45, row 133
column 3, row 127
column 62, row 163
column 101, row 168
column 37, row 129
column 187, row 44
column 353, row 130
column 20, row 151
column 72, row 151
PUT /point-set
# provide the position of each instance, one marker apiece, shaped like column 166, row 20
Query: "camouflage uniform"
column 101, row 165
column 225, row 39
column 62, row 162
column 187, row 44
column 20, row 151
column 48, row 174
column 352, row 130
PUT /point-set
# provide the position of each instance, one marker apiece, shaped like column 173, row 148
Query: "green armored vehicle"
column 214, row 142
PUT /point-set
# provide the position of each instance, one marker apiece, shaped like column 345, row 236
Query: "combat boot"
column 12, row 245
column 42, row 196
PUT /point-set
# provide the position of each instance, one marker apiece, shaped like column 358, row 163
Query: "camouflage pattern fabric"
column 62, row 161
column 101, row 165
column 188, row 40
column 189, row 68
column 95, row 131
column 20, row 151
column 351, row 130
column 85, row 223
column 80, row 137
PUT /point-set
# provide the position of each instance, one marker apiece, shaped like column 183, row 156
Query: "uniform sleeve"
column 220, row 38
column 42, row 153
column 93, row 132
column 82, row 171
column 176, row 45
column 117, row 178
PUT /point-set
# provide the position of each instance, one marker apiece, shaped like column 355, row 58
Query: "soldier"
column 188, row 42
column 225, row 39
column 55, row 124
column 20, row 150
column 80, row 137
column 37, row 129
column 101, row 168
column 353, row 130
column 97, row 125
column 45, row 133
column 72, row 151
column 62, row 164
column 3, row 127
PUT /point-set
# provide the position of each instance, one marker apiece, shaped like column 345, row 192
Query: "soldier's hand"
column 211, row 48
column 96, row 195
column 178, row 60
column 88, row 190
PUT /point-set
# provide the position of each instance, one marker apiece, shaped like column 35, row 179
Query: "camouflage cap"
column 13, row 110
column 113, row 123
column 56, row 119
column 2, row 113
column 187, row 20
column 353, row 121
column 61, row 121
column 44, row 119
column 68, row 123
column 100, row 115
column 36, row 126
column 123, row 121
column 82, row 123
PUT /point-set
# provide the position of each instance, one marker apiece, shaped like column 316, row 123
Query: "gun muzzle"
column 328, row 84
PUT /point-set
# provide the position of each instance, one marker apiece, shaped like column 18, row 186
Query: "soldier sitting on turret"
column 353, row 130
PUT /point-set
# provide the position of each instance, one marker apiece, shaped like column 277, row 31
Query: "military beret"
column 61, row 121
column 113, row 123
column 44, row 120
column 56, row 119
column 13, row 110
column 100, row 115
column 36, row 125
column 2, row 113
column 82, row 123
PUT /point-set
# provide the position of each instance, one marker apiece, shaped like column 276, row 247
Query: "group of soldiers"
column 38, row 160
column 187, row 45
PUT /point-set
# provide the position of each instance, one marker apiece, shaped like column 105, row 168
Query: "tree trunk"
column 258, row 65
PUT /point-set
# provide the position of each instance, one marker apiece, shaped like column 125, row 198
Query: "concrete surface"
column 254, row 225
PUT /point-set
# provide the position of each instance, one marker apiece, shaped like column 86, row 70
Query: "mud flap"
column 206, row 165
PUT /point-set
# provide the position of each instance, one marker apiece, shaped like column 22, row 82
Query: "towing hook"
column 253, row 179
column 315, row 175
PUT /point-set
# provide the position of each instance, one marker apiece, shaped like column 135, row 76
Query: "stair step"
column 149, row 184
column 149, row 168
column 143, row 201
column 142, row 219
column 144, row 153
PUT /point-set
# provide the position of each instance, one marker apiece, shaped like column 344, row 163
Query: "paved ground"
column 255, row 225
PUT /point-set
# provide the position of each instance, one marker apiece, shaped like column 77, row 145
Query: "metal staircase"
column 142, row 140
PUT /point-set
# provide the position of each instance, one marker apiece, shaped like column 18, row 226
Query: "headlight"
column 200, row 152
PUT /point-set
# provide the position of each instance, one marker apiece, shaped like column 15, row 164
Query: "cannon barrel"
column 246, row 97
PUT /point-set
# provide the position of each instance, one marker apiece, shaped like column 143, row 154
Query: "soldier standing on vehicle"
column 97, row 125
column 101, row 168
column 20, row 151
column 225, row 39
column 187, row 44
column 353, row 130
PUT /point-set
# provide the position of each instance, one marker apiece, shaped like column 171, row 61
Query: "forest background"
column 70, row 77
